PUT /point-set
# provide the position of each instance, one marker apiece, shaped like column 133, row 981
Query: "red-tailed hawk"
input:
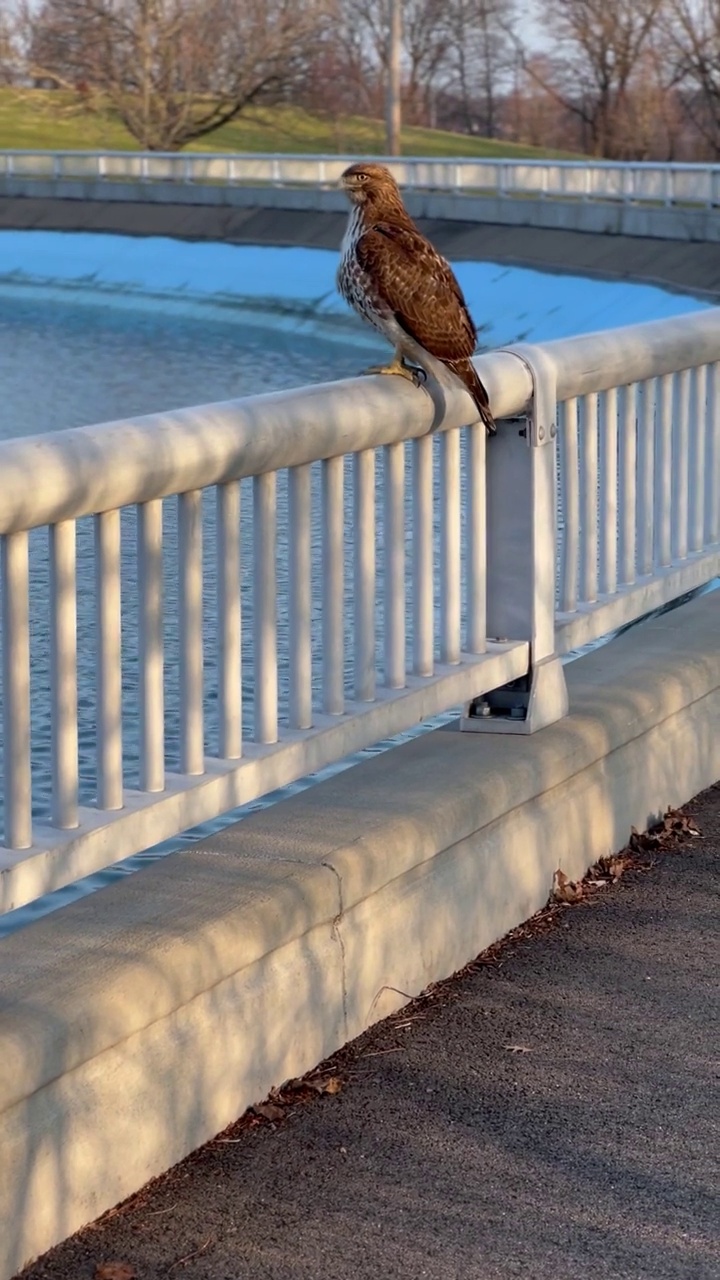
column 394, row 278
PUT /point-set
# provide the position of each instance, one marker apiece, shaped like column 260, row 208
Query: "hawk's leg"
column 399, row 369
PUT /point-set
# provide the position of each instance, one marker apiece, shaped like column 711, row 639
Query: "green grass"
column 51, row 121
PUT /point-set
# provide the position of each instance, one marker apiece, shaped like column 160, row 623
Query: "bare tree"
column 426, row 41
column 9, row 50
column 173, row 70
column 530, row 114
column 598, row 44
column 361, row 37
column 693, row 31
column 651, row 125
column 480, row 56
column 393, row 89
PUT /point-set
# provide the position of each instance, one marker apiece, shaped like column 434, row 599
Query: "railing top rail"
column 582, row 162
column 85, row 470
column 633, row 353
column 78, row 472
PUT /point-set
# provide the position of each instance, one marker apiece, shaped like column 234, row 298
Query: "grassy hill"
column 51, row 121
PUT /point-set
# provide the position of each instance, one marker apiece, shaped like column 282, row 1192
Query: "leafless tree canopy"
column 623, row 79
column 479, row 57
column 693, row 30
column 599, row 46
column 173, row 70
column 455, row 59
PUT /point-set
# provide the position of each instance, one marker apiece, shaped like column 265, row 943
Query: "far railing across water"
column 199, row 607
column 642, row 182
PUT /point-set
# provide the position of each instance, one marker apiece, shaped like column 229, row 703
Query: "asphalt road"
column 551, row 1112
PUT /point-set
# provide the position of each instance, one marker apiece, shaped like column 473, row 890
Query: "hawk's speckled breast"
column 356, row 285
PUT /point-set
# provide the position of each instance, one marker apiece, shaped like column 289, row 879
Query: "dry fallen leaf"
column 679, row 824
column 318, row 1084
column 268, row 1111
column 615, row 867
column 328, row 1084
column 674, row 828
column 565, row 890
column 115, row 1271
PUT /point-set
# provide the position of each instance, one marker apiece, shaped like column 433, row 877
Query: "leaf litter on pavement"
column 674, row 830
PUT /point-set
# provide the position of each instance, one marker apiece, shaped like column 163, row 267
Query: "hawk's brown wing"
column 420, row 289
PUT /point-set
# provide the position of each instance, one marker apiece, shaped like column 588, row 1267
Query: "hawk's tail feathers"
column 465, row 370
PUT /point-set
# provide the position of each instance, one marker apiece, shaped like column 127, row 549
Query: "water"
column 67, row 366
column 62, row 366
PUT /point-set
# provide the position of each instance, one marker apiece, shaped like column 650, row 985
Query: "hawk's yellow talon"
column 397, row 368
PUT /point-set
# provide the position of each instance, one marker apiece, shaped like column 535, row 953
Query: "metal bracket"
column 542, row 409
column 523, row 706
column 521, row 560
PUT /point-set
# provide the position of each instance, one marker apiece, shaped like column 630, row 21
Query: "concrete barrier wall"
column 137, row 1023
column 590, row 217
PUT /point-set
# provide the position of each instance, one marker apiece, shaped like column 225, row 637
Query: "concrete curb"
column 137, row 1023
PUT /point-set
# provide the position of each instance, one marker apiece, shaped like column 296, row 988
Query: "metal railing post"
column 521, row 559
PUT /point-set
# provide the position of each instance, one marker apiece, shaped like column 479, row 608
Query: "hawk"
column 394, row 278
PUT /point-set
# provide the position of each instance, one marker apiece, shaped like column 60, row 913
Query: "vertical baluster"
column 229, row 620
column 422, row 555
column 663, row 472
column 571, row 505
column 63, row 674
column 712, row 470
column 333, row 587
column 476, row 535
column 394, row 539
column 108, row 661
column 646, row 472
column 364, row 574
column 300, row 582
column 152, row 702
column 450, row 546
column 192, row 753
column 16, row 690
column 589, row 499
column 628, row 483
column 608, row 493
column 680, row 465
column 265, row 607
column 698, row 426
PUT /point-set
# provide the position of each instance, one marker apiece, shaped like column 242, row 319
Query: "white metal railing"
column 646, row 182
column 354, row 548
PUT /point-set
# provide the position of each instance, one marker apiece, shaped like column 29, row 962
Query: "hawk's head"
column 368, row 183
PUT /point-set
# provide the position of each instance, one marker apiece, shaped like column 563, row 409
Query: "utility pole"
column 393, row 107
